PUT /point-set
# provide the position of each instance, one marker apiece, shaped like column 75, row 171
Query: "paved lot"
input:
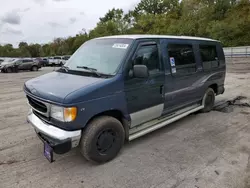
column 199, row 151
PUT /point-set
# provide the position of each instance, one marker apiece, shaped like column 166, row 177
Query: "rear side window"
column 182, row 59
column 27, row 60
column 209, row 56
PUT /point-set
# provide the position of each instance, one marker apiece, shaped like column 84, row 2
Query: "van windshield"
column 102, row 55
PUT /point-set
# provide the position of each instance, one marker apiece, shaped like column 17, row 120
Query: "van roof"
column 157, row 36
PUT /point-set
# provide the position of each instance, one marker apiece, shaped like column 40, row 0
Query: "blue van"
column 118, row 88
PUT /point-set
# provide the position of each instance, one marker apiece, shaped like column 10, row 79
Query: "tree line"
column 224, row 20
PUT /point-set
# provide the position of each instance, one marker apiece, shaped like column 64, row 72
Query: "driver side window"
column 147, row 55
column 19, row 62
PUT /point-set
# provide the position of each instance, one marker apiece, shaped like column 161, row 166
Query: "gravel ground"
column 202, row 150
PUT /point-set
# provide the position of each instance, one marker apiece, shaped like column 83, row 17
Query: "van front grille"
column 37, row 105
column 41, row 116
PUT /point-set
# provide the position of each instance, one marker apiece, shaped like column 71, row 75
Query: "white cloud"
column 11, row 18
column 40, row 21
column 12, row 31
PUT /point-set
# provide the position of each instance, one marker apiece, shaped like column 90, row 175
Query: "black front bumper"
column 221, row 90
column 59, row 146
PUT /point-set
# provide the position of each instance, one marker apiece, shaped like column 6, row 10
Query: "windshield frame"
column 119, row 66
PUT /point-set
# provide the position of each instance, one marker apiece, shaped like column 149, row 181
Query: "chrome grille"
column 39, row 106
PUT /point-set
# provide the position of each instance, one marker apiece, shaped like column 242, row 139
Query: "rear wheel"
column 208, row 100
column 34, row 68
column 102, row 139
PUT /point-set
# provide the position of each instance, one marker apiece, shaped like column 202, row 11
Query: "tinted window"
column 183, row 57
column 148, row 55
column 66, row 57
column 57, row 57
column 18, row 62
column 208, row 53
column 209, row 56
column 27, row 60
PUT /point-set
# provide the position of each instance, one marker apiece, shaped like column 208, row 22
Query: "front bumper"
column 60, row 140
column 221, row 90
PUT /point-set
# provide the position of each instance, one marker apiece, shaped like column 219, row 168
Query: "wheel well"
column 214, row 87
column 115, row 114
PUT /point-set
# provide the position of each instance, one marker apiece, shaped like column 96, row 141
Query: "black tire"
column 34, row 68
column 16, row 69
column 208, row 100
column 9, row 70
column 102, row 139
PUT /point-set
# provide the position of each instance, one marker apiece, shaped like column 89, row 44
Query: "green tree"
column 34, row 50
column 114, row 22
column 23, row 50
column 156, row 6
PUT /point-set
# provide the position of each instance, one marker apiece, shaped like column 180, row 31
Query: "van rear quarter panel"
column 215, row 76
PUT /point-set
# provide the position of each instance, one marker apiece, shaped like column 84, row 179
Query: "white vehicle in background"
column 65, row 58
column 56, row 61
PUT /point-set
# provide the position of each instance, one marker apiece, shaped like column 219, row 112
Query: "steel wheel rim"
column 105, row 141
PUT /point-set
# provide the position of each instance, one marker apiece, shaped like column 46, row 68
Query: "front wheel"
column 208, row 100
column 102, row 139
column 9, row 70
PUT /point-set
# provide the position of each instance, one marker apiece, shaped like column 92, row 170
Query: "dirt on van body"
column 201, row 150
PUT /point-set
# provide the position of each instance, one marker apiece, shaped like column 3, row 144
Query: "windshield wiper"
column 65, row 68
column 93, row 70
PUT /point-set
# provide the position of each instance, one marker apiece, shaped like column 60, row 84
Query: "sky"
column 40, row 21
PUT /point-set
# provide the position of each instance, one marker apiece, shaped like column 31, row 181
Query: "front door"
column 145, row 96
column 20, row 64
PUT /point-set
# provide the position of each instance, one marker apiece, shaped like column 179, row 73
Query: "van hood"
column 55, row 86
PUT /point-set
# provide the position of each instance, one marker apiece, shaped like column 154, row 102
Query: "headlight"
column 63, row 114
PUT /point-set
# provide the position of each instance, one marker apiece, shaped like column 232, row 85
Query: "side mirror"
column 140, row 71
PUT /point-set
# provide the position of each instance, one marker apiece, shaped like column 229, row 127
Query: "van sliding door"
column 181, row 74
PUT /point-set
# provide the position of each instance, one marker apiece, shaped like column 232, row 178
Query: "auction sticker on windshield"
column 120, row 45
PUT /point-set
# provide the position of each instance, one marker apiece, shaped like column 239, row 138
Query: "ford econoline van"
column 118, row 88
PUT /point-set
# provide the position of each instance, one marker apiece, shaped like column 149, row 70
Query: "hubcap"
column 105, row 140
